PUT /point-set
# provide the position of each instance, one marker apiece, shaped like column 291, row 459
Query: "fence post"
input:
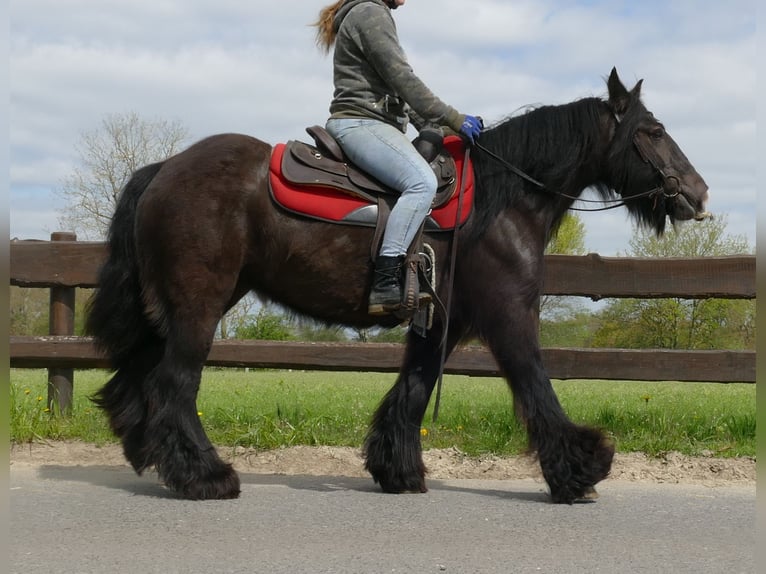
column 61, row 322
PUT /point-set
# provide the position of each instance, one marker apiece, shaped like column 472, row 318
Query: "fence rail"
column 76, row 264
column 64, row 264
column 560, row 363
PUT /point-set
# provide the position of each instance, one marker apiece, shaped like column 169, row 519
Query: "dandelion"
column 423, row 432
column 27, row 391
column 39, row 398
column 46, row 410
column 199, row 414
column 459, row 428
column 646, row 398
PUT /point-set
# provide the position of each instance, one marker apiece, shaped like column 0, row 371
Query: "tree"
column 397, row 334
column 266, row 325
column 237, row 317
column 573, row 330
column 29, row 311
column 569, row 239
column 311, row 330
column 676, row 323
column 108, row 157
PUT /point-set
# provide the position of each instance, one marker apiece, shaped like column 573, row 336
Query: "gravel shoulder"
column 673, row 468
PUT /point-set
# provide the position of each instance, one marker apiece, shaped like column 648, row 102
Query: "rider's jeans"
column 387, row 154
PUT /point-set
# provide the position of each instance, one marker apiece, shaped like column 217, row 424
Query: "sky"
column 253, row 67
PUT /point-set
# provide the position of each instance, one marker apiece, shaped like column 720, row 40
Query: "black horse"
column 192, row 234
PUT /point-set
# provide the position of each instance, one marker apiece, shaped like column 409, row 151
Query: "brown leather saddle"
column 325, row 164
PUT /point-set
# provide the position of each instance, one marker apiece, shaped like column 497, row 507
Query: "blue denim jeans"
column 387, row 154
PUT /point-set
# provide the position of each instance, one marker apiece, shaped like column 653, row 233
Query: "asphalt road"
column 107, row 520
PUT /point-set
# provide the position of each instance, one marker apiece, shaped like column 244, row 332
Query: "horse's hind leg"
column 392, row 450
column 174, row 439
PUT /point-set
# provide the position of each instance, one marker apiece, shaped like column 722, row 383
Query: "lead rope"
column 451, row 280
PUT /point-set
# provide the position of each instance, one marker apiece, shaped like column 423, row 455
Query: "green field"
column 269, row 409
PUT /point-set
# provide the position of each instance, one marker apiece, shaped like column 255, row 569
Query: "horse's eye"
column 657, row 133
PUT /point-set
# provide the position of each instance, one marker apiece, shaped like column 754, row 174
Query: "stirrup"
column 381, row 309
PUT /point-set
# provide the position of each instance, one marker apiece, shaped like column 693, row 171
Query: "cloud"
column 252, row 67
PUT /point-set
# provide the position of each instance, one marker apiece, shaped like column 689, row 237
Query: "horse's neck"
column 565, row 159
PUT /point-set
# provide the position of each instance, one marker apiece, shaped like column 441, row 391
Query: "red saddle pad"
column 334, row 205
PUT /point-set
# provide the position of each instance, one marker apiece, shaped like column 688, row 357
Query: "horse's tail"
column 115, row 316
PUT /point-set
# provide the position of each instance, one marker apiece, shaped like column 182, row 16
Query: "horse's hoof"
column 590, row 495
column 413, row 486
column 220, row 485
column 420, row 490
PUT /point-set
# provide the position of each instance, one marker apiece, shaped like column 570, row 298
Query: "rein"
column 509, row 166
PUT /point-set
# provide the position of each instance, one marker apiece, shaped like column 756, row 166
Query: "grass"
column 269, row 409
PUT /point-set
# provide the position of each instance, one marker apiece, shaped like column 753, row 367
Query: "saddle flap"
column 302, row 160
column 303, row 164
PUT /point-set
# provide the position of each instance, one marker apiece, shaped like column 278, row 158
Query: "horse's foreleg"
column 573, row 458
column 392, row 450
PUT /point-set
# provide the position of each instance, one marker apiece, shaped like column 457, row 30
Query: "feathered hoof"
column 575, row 470
column 402, row 486
column 221, row 484
column 590, row 495
column 398, row 481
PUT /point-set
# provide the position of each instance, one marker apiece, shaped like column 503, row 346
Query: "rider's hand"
column 471, row 128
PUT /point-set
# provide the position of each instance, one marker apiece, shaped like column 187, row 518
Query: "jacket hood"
column 347, row 6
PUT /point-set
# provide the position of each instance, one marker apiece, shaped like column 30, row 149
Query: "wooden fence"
column 64, row 264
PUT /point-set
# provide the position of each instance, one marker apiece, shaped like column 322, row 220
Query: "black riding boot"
column 386, row 293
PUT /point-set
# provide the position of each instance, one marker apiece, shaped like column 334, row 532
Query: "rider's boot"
column 386, row 293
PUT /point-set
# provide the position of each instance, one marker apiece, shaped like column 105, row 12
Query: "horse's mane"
column 550, row 143
column 555, row 145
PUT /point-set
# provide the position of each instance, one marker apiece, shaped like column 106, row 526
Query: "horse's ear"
column 636, row 91
column 619, row 97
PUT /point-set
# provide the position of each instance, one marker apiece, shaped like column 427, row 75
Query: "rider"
column 376, row 95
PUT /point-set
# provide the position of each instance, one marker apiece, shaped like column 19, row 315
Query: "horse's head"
column 649, row 169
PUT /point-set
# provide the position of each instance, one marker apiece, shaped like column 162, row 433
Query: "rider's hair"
column 326, row 33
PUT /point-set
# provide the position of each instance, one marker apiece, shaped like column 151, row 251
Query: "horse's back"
column 213, row 175
column 221, row 155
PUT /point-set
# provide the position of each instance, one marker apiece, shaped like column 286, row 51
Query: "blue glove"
column 471, row 128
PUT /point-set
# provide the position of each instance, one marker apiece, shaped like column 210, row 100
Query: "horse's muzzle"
column 689, row 199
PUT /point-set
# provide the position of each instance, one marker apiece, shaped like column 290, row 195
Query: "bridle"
column 648, row 155
column 644, row 153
